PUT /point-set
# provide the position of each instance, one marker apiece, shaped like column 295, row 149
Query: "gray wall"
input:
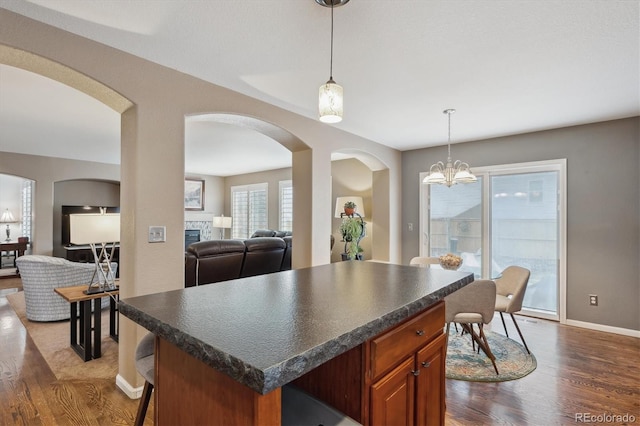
column 603, row 208
column 46, row 171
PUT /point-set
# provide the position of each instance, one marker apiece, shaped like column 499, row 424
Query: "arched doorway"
column 358, row 173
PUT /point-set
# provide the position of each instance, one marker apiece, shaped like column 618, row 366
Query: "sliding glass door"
column 513, row 215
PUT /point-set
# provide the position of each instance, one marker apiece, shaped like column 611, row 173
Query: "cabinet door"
column 431, row 380
column 392, row 397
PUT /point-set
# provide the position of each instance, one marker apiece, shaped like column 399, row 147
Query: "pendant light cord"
column 331, row 61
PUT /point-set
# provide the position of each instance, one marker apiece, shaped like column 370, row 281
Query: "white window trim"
column 282, row 185
column 251, row 187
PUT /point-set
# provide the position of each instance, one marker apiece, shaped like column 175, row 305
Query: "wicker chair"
column 42, row 274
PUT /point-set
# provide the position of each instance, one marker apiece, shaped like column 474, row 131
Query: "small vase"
column 349, row 211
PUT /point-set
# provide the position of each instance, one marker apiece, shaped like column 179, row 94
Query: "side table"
column 85, row 333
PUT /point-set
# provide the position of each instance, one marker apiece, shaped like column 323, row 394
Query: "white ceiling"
column 508, row 67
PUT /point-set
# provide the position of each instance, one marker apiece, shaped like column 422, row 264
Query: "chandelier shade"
column 452, row 172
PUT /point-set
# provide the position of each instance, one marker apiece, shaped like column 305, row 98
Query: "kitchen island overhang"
column 268, row 330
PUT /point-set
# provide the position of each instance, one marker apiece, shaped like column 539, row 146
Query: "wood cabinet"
column 396, row 378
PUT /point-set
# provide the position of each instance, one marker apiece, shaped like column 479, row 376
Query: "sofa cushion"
column 263, row 233
column 286, row 259
column 215, row 261
column 262, row 256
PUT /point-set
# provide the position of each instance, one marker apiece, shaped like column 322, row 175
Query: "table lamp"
column 7, row 217
column 97, row 229
column 222, row 222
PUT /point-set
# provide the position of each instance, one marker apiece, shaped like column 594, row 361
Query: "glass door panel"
column 455, row 224
column 524, row 232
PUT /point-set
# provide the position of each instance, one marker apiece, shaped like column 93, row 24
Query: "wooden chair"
column 424, row 262
column 473, row 304
column 510, row 288
column 145, row 364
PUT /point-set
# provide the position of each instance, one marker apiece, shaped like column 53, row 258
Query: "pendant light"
column 330, row 107
column 451, row 173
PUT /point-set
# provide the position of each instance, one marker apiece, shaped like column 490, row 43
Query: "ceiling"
column 508, row 67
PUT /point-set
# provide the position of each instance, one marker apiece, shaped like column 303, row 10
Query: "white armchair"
column 42, row 274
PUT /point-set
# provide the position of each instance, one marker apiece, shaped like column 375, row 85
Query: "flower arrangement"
column 450, row 261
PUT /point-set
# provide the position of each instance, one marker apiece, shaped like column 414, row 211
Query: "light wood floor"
column 579, row 371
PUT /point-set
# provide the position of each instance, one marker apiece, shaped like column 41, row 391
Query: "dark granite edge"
column 278, row 375
column 235, row 368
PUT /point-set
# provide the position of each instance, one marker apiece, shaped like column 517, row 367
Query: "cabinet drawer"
column 394, row 345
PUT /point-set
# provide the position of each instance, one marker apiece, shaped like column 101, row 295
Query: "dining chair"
column 424, row 262
column 145, row 364
column 511, row 287
column 473, row 304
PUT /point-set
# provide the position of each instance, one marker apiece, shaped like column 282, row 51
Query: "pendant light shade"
column 330, row 102
column 330, row 97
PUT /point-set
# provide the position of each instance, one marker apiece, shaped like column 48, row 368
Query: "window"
column 27, row 190
column 249, row 209
column 286, row 206
column 513, row 215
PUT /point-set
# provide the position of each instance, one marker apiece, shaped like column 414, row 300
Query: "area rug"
column 463, row 363
column 52, row 339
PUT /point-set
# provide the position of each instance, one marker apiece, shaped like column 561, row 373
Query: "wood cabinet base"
column 187, row 391
column 366, row 383
column 396, row 378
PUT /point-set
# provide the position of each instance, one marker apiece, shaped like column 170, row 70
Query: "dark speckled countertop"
column 268, row 330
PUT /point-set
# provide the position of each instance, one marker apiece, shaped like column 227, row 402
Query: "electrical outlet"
column 410, row 226
column 593, row 299
column 157, row 234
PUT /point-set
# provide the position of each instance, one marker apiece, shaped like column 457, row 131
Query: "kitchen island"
column 339, row 331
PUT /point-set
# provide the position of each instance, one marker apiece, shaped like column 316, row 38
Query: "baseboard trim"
column 605, row 328
column 130, row 391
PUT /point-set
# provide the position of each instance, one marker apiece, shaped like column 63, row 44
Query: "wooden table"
column 17, row 247
column 85, row 334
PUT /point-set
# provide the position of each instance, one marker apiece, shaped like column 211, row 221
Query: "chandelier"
column 330, row 99
column 452, row 172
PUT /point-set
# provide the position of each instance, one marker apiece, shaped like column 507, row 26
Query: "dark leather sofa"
column 220, row 260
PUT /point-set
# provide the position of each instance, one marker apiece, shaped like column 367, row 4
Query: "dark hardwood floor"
column 579, row 372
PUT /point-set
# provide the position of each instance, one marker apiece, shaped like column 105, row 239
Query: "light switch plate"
column 157, row 234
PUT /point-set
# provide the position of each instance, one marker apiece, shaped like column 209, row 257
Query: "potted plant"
column 352, row 230
column 349, row 208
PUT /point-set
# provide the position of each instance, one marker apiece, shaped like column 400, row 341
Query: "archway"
column 231, row 142
column 359, row 173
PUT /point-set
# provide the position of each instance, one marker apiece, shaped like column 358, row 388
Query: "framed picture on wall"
column 193, row 194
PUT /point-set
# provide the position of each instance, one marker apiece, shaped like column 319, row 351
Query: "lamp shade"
column 222, row 222
column 94, row 228
column 357, row 200
column 7, row 217
column 330, row 102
